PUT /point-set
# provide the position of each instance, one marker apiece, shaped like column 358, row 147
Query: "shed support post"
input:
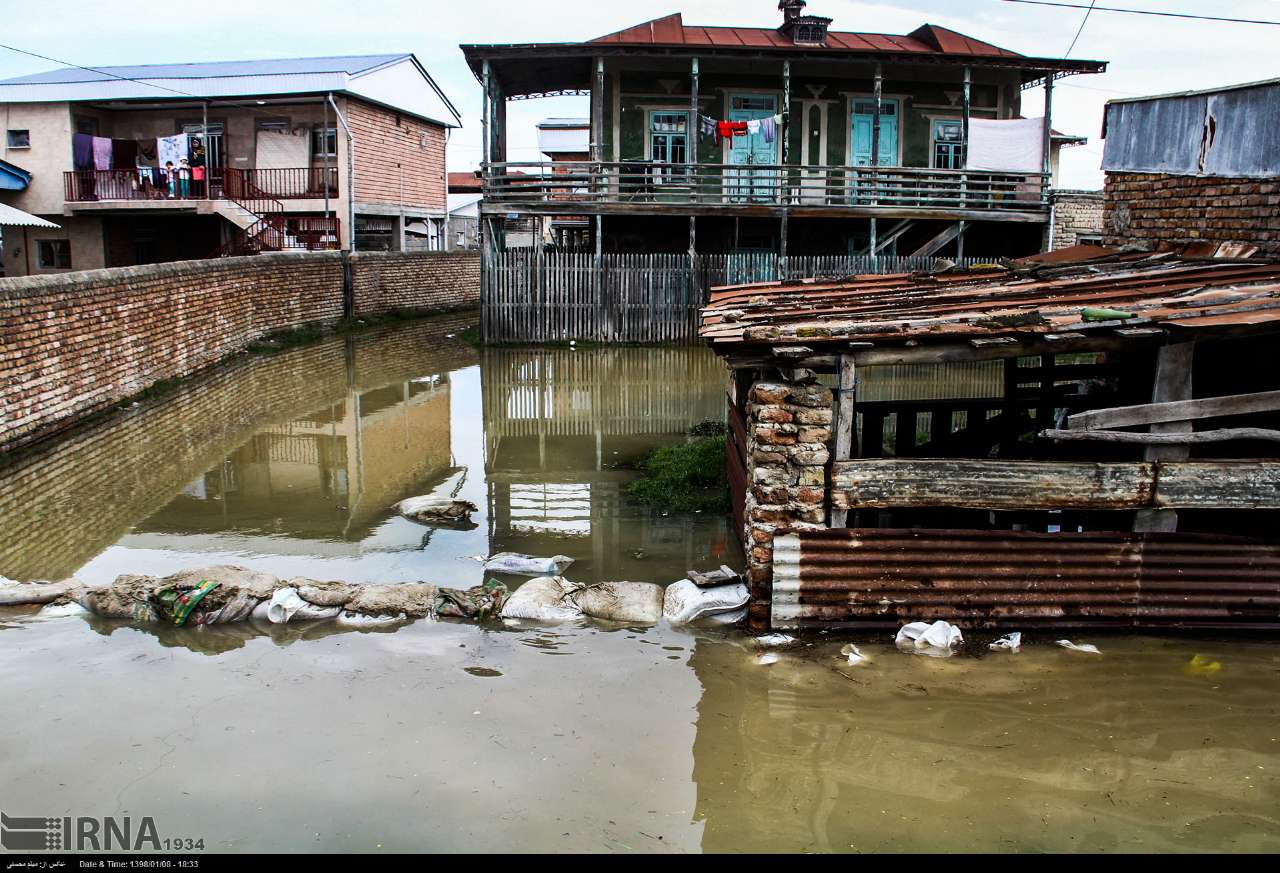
column 782, row 249
column 844, row 428
column 1172, row 382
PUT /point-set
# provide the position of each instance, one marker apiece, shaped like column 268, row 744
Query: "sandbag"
column 547, row 598
column 324, row 593
column 437, row 510
column 937, row 640
column 527, row 565
column 685, row 602
column 23, row 593
column 413, row 599
column 631, row 602
column 287, row 605
column 724, row 618
column 359, row 619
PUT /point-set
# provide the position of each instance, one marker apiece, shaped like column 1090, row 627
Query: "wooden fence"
column 536, row 297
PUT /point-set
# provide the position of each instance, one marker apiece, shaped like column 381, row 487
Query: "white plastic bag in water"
column 1007, row 643
column 549, row 598
column 685, row 602
column 1088, row 648
column 287, row 605
column 527, row 565
column 937, row 639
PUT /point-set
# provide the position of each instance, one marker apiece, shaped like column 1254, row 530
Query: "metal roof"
column 10, row 217
column 1037, row 296
column 348, row 64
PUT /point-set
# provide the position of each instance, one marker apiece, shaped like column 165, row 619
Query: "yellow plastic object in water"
column 1199, row 665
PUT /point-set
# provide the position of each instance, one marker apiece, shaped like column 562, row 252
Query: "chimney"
column 791, row 10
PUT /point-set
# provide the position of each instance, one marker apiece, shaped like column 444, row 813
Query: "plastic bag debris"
column 685, row 602
column 631, row 602
column 936, row 640
column 1080, row 647
column 1007, row 643
column 1199, row 665
column 765, row 658
column 61, row 610
column 547, row 598
column 527, row 565
column 770, row 641
column 437, row 511
column 855, row 657
column 724, row 618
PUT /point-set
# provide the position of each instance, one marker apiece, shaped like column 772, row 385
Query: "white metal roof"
column 396, row 80
column 10, row 217
column 564, row 135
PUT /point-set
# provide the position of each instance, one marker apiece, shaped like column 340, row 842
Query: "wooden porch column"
column 875, row 123
column 1048, row 133
column 1172, row 382
column 785, row 133
column 843, row 427
column 691, row 153
column 485, row 76
column 597, row 113
column 964, row 146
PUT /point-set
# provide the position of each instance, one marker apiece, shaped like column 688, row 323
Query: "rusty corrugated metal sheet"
column 1027, row 298
column 868, row 578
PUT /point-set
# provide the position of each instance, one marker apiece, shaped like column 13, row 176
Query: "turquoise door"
column 864, row 121
column 751, row 150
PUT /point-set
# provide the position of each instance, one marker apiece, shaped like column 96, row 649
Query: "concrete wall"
column 47, row 159
column 1076, row 215
column 78, row 343
column 21, row 249
column 1165, row 211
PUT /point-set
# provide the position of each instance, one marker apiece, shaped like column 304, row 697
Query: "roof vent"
column 803, row 29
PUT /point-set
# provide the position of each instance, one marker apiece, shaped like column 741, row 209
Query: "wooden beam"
column 1222, row 435
column 947, row 234
column 1180, row 410
column 1002, row 484
column 500, row 206
column 844, row 426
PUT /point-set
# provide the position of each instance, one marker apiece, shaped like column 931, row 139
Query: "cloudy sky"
column 1147, row 54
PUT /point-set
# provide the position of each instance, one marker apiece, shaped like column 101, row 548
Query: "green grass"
column 685, row 478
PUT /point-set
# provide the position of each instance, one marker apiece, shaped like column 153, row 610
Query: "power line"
column 1147, row 12
column 1080, row 30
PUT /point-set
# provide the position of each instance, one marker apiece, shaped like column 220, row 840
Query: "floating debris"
column 1089, row 648
column 1008, row 643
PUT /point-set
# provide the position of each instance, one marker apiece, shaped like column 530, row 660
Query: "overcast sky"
column 1147, row 55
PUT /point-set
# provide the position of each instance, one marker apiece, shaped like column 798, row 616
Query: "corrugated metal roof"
column 928, row 39
column 348, row 64
column 11, row 217
column 1032, row 297
column 866, row 578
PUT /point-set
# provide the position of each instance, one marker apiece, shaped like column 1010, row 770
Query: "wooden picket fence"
column 537, row 297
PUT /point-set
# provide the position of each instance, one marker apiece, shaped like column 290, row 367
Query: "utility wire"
column 1148, row 12
column 1080, row 30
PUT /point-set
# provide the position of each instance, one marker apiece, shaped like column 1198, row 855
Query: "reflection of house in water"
column 562, row 430
column 331, row 473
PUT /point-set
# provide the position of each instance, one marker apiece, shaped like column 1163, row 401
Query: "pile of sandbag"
column 554, row 598
column 685, row 602
column 225, row 594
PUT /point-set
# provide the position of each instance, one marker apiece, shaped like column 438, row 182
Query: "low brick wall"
column 1164, row 211
column 436, row 281
column 76, row 343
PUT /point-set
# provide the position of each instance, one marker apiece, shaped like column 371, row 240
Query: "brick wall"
column 1076, row 214
column 76, row 343
column 1163, row 211
column 438, row 281
column 384, row 139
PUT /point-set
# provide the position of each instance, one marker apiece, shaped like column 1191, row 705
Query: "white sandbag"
column 347, row 618
column 937, row 639
column 61, row 610
column 724, row 618
column 1008, row 643
column 436, row 510
column 1087, row 648
column 23, row 593
column 685, row 602
column 287, row 605
column 631, row 602
column 547, row 598
column 527, row 565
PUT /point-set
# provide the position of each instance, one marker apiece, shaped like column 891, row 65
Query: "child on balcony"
column 184, row 179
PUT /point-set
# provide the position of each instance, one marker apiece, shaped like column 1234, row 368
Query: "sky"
column 1146, row 55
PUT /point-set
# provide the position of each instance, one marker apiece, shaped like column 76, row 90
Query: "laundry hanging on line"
column 766, row 128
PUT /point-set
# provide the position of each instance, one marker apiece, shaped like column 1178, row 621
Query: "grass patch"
column 686, row 478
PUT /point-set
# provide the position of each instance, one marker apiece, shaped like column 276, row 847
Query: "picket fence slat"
column 654, row 297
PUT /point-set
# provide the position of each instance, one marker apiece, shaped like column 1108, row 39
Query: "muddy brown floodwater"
column 445, row 736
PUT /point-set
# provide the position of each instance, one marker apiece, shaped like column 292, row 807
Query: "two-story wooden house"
column 165, row 162
column 794, row 140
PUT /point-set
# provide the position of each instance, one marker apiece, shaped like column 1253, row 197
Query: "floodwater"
column 580, row 737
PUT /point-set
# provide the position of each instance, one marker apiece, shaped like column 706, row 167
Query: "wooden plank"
column 1181, row 410
column 972, row 484
column 1218, row 485
column 1221, row 435
column 845, row 423
column 1172, row 384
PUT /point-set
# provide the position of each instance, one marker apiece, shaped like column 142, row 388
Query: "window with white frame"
column 948, row 144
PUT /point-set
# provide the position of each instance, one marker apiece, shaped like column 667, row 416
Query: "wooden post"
column 782, row 249
column 785, row 133
column 843, row 427
column 1172, row 382
column 484, row 118
column 1048, row 133
column 875, row 125
column 964, row 147
column 597, row 127
column 694, row 134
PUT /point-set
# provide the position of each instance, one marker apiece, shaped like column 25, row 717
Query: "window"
column 19, row 139
column 276, row 125
column 667, row 141
column 810, row 34
column 324, row 142
column 87, row 124
column 868, row 107
column 948, row 144
column 54, row 254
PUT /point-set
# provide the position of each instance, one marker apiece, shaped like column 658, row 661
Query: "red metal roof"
column 464, row 183
column 928, row 39
column 1036, row 296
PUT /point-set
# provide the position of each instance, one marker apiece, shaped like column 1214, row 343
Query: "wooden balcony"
column 132, row 185
column 637, row 187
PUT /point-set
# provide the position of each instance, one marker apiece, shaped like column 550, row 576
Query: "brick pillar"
column 788, row 429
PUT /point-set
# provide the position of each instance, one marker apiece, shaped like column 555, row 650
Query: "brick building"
column 1200, row 166
column 1075, row 219
column 302, row 153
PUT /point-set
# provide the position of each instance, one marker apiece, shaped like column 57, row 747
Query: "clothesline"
column 104, row 153
column 722, row 130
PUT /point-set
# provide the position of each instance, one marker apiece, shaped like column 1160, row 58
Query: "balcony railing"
column 292, row 183
column 646, row 182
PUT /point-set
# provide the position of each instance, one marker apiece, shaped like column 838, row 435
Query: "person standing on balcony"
column 184, row 179
column 171, row 176
column 198, row 169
